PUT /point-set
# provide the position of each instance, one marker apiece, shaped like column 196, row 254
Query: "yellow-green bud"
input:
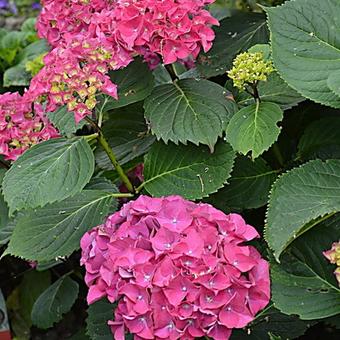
column 249, row 68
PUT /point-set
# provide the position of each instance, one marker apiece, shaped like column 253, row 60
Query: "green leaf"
column 161, row 75
column 126, row 132
column 98, row 315
column 248, row 186
column 48, row 172
column 10, row 45
column 305, row 46
column 299, row 199
column 274, row 90
column 318, row 137
column 33, row 284
column 29, row 25
column 54, row 302
column 33, row 50
column 271, row 320
column 135, row 82
column 189, row 110
column 6, row 226
column 254, row 128
column 189, row 171
column 304, row 283
column 103, row 184
column 4, row 218
column 64, row 121
column 56, row 229
column 17, row 76
column 234, row 35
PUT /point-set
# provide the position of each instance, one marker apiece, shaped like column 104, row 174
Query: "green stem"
column 139, row 189
column 103, row 142
column 278, row 154
column 100, row 119
column 88, row 138
column 122, row 195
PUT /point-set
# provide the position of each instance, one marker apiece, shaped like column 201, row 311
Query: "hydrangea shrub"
column 170, row 170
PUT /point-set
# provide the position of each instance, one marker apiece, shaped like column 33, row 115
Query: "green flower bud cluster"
column 249, row 69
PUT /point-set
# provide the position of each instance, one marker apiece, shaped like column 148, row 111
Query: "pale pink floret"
column 179, row 270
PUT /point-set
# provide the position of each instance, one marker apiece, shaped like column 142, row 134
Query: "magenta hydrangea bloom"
column 20, row 127
column 89, row 38
column 173, row 29
column 179, row 270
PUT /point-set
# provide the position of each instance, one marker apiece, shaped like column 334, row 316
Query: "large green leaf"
column 304, row 283
column 126, row 132
column 189, row 110
column 54, row 302
column 254, row 128
column 319, row 137
column 34, row 283
column 298, row 198
column 64, row 121
column 189, row 171
column 56, row 229
column 98, row 315
column 274, row 90
column 48, row 172
column 248, row 186
column 234, row 35
column 306, row 47
column 135, row 82
column 272, row 321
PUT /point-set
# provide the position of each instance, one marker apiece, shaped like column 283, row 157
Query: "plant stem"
column 88, row 138
column 278, row 154
column 103, row 142
column 100, row 119
column 122, row 195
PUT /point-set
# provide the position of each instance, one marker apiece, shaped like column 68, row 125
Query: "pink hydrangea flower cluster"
column 333, row 255
column 89, row 38
column 64, row 81
column 178, row 270
column 173, row 29
column 20, row 127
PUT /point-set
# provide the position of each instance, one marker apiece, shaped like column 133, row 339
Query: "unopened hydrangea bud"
column 333, row 255
column 250, row 68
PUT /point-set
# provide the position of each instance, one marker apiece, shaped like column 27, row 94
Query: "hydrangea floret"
column 177, row 269
column 21, row 125
column 333, row 255
column 249, row 69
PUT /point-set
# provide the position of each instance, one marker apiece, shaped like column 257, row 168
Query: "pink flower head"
column 91, row 38
column 333, row 255
column 22, row 125
column 179, row 270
